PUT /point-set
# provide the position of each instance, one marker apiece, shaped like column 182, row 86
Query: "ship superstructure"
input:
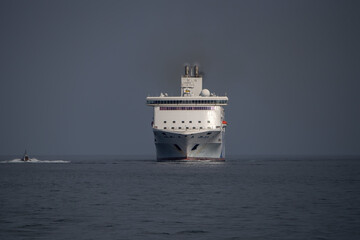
column 190, row 126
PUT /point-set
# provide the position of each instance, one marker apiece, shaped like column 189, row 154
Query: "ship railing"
column 187, row 102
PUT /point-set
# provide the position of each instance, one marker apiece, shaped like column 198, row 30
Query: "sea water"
column 123, row 198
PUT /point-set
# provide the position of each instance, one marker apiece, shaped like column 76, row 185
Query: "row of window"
column 186, row 137
column 184, row 121
column 186, row 101
column 187, row 108
column 188, row 127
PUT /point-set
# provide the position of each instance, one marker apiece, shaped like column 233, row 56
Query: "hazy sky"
column 74, row 74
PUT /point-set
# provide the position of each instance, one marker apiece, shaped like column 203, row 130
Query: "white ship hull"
column 205, row 145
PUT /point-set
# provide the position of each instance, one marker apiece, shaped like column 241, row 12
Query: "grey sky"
column 74, row 74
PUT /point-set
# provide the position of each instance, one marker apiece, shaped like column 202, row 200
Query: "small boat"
column 25, row 158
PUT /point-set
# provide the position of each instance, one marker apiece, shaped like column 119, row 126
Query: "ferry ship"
column 190, row 126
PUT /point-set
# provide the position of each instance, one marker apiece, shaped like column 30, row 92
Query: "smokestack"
column 186, row 70
column 196, row 69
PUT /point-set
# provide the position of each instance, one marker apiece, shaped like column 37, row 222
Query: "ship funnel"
column 187, row 70
column 196, row 69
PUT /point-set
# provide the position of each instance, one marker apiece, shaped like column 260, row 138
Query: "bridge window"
column 186, row 108
column 186, row 102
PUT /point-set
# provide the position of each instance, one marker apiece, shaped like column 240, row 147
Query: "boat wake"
column 34, row 160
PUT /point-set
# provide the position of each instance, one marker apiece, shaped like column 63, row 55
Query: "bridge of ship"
column 178, row 121
column 213, row 101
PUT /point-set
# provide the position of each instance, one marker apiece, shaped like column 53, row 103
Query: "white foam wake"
column 34, row 160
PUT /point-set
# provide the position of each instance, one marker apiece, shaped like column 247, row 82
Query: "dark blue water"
column 145, row 199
